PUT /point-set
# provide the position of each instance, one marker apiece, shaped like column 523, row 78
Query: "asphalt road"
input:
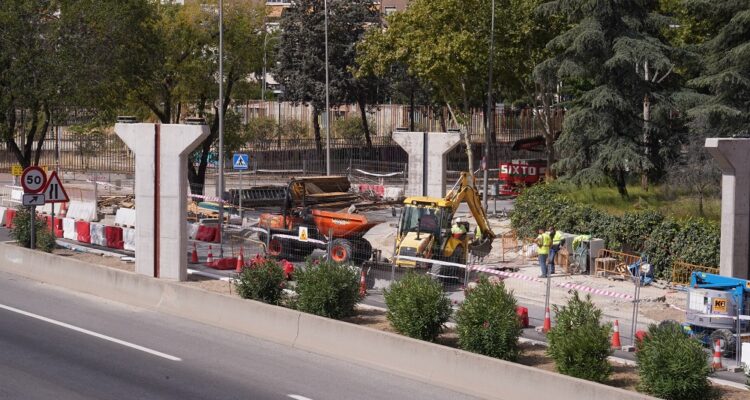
column 59, row 344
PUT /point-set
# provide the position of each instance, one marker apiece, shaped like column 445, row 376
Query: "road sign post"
column 240, row 162
column 54, row 192
column 33, row 180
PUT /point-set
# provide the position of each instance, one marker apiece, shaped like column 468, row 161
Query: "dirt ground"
column 107, row 261
column 212, row 285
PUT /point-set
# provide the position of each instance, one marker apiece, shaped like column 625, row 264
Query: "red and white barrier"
column 192, row 230
column 113, row 234
column 125, row 217
column 2, row 216
column 97, row 234
column 69, row 229
column 84, row 211
column 10, row 214
column 128, row 237
column 83, row 231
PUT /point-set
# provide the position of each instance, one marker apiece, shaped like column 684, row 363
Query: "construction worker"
column 557, row 241
column 543, row 241
column 458, row 229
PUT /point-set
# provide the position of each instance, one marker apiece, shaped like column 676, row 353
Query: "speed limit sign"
column 33, row 179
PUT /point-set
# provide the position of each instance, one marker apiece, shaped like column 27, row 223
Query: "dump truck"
column 303, row 210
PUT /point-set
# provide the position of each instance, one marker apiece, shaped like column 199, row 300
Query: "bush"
column 294, row 129
column 350, row 128
column 578, row 343
column 663, row 240
column 672, row 365
column 328, row 289
column 21, row 232
column 263, row 280
column 261, row 129
column 487, row 322
column 417, row 307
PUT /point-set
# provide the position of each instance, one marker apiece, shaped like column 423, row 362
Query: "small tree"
column 45, row 239
column 328, row 289
column 697, row 174
column 579, row 343
column 417, row 307
column 263, row 280
column 672, row 365
column 487, row 321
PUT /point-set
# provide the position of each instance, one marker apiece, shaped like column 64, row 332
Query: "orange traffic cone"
column 616, row 336
column 547, row 321
column 716, row 364
column 362, row 284
column 210, row 258
column 194, row 255
column 240, row 261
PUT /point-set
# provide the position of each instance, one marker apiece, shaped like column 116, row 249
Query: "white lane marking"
column 94, row 334
column 298, row 397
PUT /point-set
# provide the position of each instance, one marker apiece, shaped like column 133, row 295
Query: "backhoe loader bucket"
column 481, row 249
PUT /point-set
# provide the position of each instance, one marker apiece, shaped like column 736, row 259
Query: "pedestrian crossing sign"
column 240, row 161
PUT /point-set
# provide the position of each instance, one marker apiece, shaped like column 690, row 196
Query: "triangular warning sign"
column 55, row 192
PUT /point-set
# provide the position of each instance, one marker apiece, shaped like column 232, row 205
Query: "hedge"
column 662, row 239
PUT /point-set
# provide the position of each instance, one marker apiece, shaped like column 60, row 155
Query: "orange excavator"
column 304, row 210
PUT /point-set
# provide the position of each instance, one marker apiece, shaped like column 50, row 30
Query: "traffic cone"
column 616, row 336
column 194, row 255
column 362, row 284
column 716, row 365
column 210, row 258
column 547, row 321
column 240, row 261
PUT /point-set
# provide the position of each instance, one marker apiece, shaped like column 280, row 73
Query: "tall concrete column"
column 161, row 184
column 427, row 160
column 733, row 156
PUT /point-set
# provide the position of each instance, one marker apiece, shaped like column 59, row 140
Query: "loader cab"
column 423, row 229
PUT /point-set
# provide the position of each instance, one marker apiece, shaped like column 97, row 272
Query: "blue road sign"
column 240, row 161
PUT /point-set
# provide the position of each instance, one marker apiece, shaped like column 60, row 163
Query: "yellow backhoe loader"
column 424, row 230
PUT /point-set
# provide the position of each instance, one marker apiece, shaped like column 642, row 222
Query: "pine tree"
column 722, row 104
column 616, row 64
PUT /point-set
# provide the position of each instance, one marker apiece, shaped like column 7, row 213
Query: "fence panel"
column 681, row 272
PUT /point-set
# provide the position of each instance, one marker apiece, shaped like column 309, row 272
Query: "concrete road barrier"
column 438, row 365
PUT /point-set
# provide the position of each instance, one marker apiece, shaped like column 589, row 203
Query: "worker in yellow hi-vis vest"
column 543, row 242
column 558, row 240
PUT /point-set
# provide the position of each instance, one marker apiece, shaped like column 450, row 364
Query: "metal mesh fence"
column 681, row 272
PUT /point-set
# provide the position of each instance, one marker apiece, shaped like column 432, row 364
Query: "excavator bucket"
column 481, row 249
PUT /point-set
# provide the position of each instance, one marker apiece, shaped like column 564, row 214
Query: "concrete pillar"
column 427, row 160
column 733, row 156
column 161, row 245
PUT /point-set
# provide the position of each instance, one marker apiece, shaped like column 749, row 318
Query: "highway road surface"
column 56, row 344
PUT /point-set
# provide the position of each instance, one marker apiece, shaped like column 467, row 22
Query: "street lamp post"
column 328, row 105
column 220, row 185
column 489, row 122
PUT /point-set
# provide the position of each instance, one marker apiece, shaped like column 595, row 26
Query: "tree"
column 604, row 57
column 721, row 104
column 454, row 66
column 301, row 54
column 697, row 172
column 58, row 55
column 181, row 72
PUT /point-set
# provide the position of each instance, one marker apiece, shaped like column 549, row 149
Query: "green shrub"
column 636, row 227
column 327, row 289
column 21, row 232
column 261, row 129
column 579, row 343
column 487, row 322
column 294, row 129
column 663, row 240
column 671, row 365
column 350, row 128
column 417, row 306
column 262, row 280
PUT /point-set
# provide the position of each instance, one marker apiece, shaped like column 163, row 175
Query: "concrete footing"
column 733, row 156
column 161, row 184
column 427, row 160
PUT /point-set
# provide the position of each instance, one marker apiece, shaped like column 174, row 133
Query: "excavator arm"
column 464, row 191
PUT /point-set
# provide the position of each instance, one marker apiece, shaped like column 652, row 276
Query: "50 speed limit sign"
column 33, row 179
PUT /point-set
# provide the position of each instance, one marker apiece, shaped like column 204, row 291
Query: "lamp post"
column 328, row 105
column 220, row 185
column 489, row 122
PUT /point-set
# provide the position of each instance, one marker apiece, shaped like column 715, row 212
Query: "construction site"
column 413, row 206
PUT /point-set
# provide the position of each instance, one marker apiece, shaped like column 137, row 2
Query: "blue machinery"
column 714, row 304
